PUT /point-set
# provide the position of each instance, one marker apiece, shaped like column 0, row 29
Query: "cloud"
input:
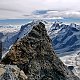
column 40, row 12
column 53, row 14
column 7, row 9
column 39, row 8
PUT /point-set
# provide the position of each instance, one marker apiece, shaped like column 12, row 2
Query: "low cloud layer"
column 54, row 14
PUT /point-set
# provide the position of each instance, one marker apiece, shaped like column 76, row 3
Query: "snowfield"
column 72, row 60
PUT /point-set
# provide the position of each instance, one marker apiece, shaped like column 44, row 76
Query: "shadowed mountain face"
column 34, row 55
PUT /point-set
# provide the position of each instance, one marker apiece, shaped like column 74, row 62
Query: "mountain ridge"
column 65, row 38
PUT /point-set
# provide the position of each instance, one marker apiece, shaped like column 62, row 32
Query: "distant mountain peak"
column 65, row 37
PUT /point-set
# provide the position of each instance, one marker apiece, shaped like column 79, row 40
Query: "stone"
column 11, row 72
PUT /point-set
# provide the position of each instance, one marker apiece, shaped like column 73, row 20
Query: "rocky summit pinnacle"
column 35, row 56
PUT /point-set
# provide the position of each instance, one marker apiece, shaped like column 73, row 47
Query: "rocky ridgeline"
column 34, row 55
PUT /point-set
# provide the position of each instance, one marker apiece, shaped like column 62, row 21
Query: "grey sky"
column 18, row 8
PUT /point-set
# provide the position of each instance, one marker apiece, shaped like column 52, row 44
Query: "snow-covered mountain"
column 8, row 36
column 34, row 55
column 66, row 42
column 13, row 34
column 65, row 38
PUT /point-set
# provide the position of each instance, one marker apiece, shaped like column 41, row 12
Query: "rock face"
column 35, row 56
column 11, row 72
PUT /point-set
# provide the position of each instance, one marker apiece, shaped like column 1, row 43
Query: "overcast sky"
column 12, row 9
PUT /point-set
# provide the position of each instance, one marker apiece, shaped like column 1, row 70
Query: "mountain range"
column 34, row 55
column 65, row 37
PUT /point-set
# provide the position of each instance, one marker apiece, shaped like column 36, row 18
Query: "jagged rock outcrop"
column 11, row 72
column 35, row 56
